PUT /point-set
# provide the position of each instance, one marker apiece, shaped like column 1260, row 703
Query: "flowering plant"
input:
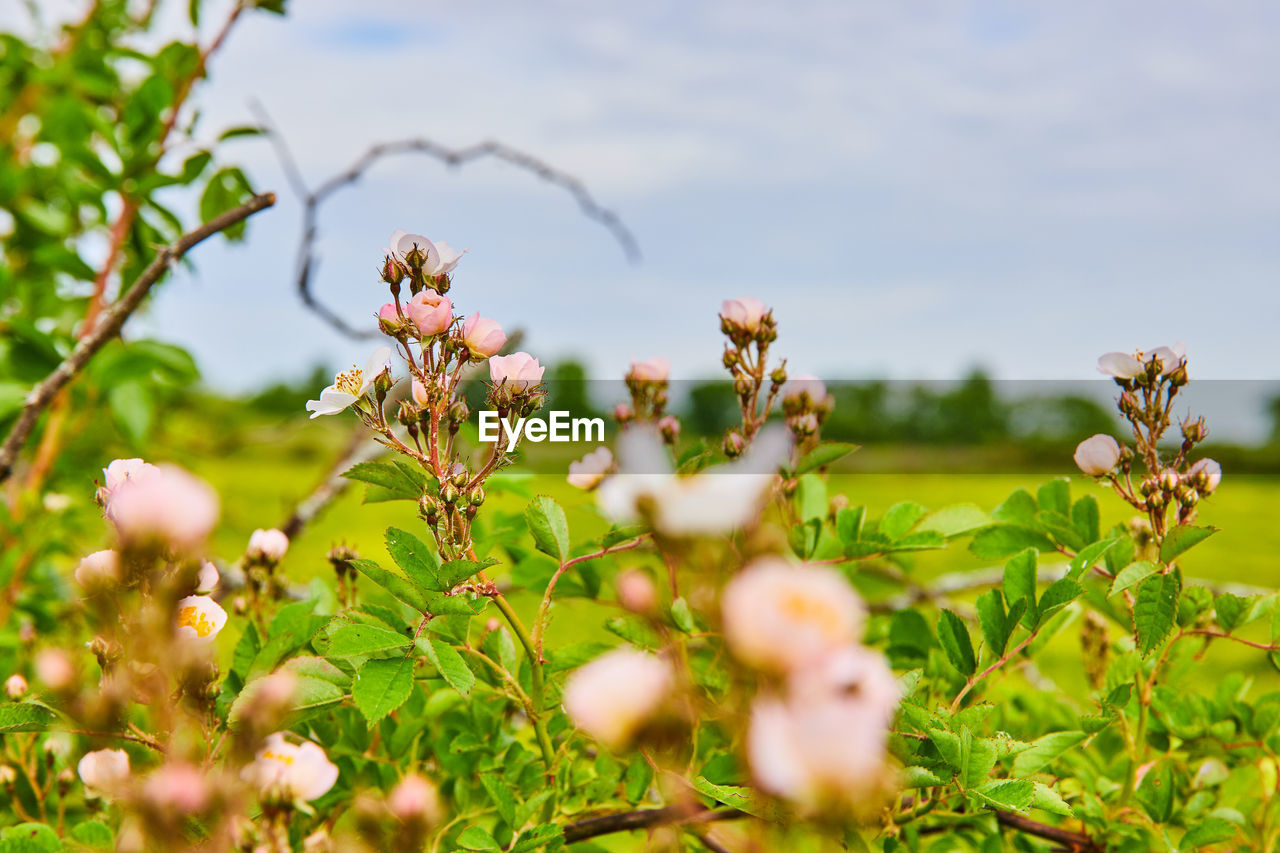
column 762, row 670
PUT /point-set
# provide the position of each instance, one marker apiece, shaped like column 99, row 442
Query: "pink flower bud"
column 1097, row 455
column 654, row 370
column 669, row 427
column 1206, row 475
column 180, row 788
column 636, row 591
column 267, row 546
column 15, row 686
column 419, row 392
column 414, row 798
column 517, row 371
column 207, row 579
column 481, row 336
column 779, row 617
column 104, row 771
column 614, row 695
column 170, row 506
column 99, row 570
column 587, row 472
column 430, row 312
column 806, row 389
column 745, row 314
column 623, row 413
column 54, row 669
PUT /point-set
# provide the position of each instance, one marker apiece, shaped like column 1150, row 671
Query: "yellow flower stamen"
column 349, row 381
column 191, row 617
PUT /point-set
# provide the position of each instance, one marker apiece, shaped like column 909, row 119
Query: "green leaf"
column 1006, row 794
column 394, row 584
column 1155, row 792
column 94, row 833
column 1088, row 556
column 1181, row 539
column 1154, row 609
column 1086, row 518
column 992, row 619
column 637, row 779
column 954, row 637
column 972, row 757
column 1233, row 610
column 381, row 686
column 1133, row 574
column 393, row 482
column 823, row 455
column 1059, row 594
column 920, row 777
column 1019, row 584
column 682, row 616
column 1055, row 496
column 549, row 527
column 741, row 798
column 455, row 572
column 451, row 666
column 537, row 838
column 476, row 838
column 1005, row 540
column 900, row 518
column 1050, row 800
column 955, row 520
column 24, row 717
column 417, row 559
column 849, row 523
column 227, row 188
column 1209, row 830
column 1018, row 508
column 634, row 630
column 133, row 408
column 811, row 498
column 351, row 640
column 1043, row 751
column 310, row 693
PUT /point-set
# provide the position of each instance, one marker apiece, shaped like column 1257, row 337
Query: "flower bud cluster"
column 749, row 325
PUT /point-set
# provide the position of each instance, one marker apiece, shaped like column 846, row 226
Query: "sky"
column 916, row 188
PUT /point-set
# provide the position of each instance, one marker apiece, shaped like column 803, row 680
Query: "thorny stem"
column 974, row 679
column 543, row 617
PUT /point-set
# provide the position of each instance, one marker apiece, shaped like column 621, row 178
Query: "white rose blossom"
column 351, row 385
column 291, row 771
column 589, row 471
column 200, row 618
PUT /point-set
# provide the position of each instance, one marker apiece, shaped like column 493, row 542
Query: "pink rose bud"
column 430, row 312
column 180, row 788
column 267, row 546
column 170, row 507
column 207, row 579
column 669, row 427
column 805, row 389
column 414, row 798
column 587, row 472
column 517, row 371
column 99, row 570
column 104, row 771
column 614, row 695
column 481, row 336
column 388, row 318
column 54, row 669
column 745, row 314
column 779, row 617
column 654, row 370
column 419, row 392
column 1097, row 455
column 15, row 686
column 623, row 413
column 636, row 591
column 1206, row 475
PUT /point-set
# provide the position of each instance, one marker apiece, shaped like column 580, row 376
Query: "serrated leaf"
column 1181, row 539
column 955, row 520
column 849, row 523
column 455, row 572
column 920, row 777
column 381, row 686
column 634, row 630
column 477, row 838
column 1155, row 791
column 954, row 638
column 1059, row 594
column 451, row 665
column 351, row 640
column 1085, row 517
column 811, row 498
column 537, row 838
column 24, row 717
column 1049, row 800
column 1005, row 540
column 1233, row 610
column 550, row 528
column 993, row 621
column 1036, row 757
column 1006, row 794
column 1055, row 496
column 1019, row 508
column 398, row 586
column 1019, row 584
column 1154, row 609
column 416, row 559
column 1088, row 556
column 1132, row 575
column 1210, row 830
column 741, row 798
column 900, row 518
column 822, row 455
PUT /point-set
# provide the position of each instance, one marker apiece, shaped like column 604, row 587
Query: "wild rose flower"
column 54, row 669
column 590, row 470
column 818, row 754
column 170, row 506
column 430, row 312
column 1119, row 365
column 516, row 371
column 852, row 673
column 448, row 258
column 1206, row 475
column 104, row 771
column 414, row 798
column 121, row 471
column 207, row 579
column 200, row 618
column 654, row 370
column 611, row 697
column 1097, row 455
column 351, row 385
column 717, row 500
column 481, row 336
column 291, row 771
column 15, row 686
column 402, row 243
column 267, row 546
column 178, row 787
column 98, row 570
column 745, row 314
column 1126, row 366
column 780, row 617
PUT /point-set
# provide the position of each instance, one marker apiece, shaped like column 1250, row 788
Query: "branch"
column 110, row 323
column 452, row 157
column 358, row 449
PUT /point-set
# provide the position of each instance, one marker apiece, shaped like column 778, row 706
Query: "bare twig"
column 110, row 323
column 452, row 157
column 358, row 449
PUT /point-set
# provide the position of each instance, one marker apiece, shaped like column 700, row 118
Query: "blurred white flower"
column 590, row 470
column 351, row 385
column 291, row 771
column 169, row 505
column 611, row 697
column 718, row 500
column 267, row 546
column 207, row 579
column 780, row 617
column 103, row 771
column 99, row 569
column 15, row 686
column 745, row 313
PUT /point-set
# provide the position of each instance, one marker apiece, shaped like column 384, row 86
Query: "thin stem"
column 535, row 670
